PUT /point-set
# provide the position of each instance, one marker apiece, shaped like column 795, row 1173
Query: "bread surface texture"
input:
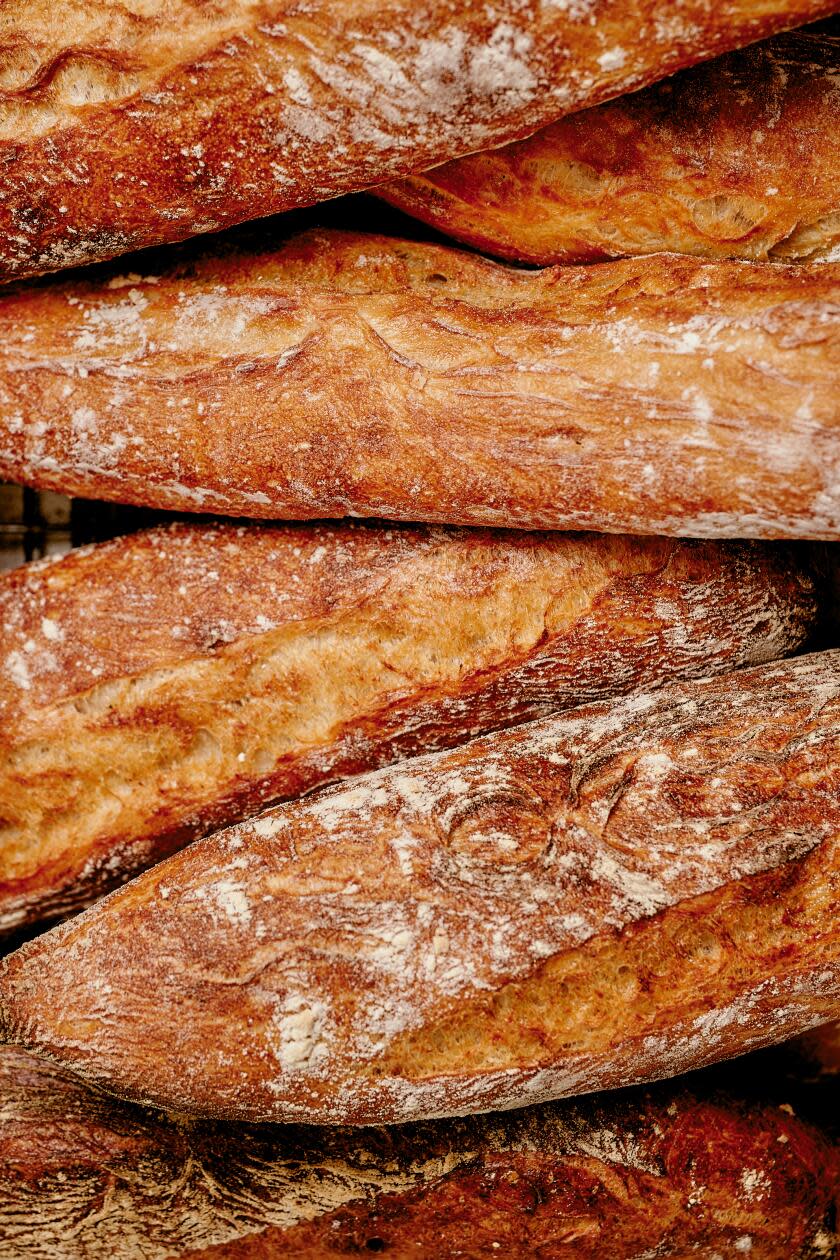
column 160, row 686
column 351, row 374
column 624, row 892
column 675, row 1169
column 736, row 158
column 127, row 125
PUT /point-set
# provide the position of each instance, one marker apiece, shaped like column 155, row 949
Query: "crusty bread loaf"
column 359, row 375
column 166, row 684
column 627, row 891
column 668, row 1171
column 733, row 159
column 148, row 121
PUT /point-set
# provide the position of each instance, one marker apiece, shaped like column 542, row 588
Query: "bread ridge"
column 163, row 685
column 662, row 1167
column 627, row 891
column 732, row 159
column 351, row 374
column 119, row 131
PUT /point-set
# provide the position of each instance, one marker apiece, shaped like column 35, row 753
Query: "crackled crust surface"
column 627, row 891
column 123, row 125
column 347, row 374
column 84, row 1178
column 163, row 685
column 733, row 159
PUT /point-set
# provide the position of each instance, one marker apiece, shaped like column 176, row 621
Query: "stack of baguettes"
column 456, row 809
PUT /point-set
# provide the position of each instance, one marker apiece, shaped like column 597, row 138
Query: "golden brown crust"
column 171, row 117
column 676, row 1170
column 733, row 159
column 359, row 375
column 160, row 686
column 627, row 891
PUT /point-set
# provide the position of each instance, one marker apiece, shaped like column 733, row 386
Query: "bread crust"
column 359, row 375
column 149, row 123
column 733, row 159
column 631, row 890
column 677, row 1170
column 163, row 685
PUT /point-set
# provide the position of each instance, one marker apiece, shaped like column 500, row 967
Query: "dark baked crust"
column 675, row 1170
column 347, row 374
column 122, row 126
column 733, row 159
column 163, row 685
column 623, row 892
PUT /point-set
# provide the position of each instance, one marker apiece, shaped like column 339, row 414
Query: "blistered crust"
column 733, row 159
column 124, row 126
column 624, row 892
column 160, row 686
column 83, row 1178
column 348, row 374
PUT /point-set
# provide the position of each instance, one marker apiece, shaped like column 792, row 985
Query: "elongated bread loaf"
column 733, row 159
column 665, row 1171
column 359, row 375
column 624, row 892
column 122, row 126
column 166, row 684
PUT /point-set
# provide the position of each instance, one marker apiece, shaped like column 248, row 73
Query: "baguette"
column 624, row 892
column 163, row 685
column 359, row 375
column 733, row 159
column 124, row 126
column 668, row 1172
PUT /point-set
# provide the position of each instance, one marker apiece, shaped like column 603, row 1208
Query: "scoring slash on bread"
column 733, row 159
column 667, row 1171
column 163, row 685
column 347, row 374
column 133, row 124
column 624, row 892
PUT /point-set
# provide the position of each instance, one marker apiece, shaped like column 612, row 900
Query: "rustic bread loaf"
column 627, row 891
column 733, row 159
column 148, row 121
column 666, row 1171
column 166, row 684
column 359, row 375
